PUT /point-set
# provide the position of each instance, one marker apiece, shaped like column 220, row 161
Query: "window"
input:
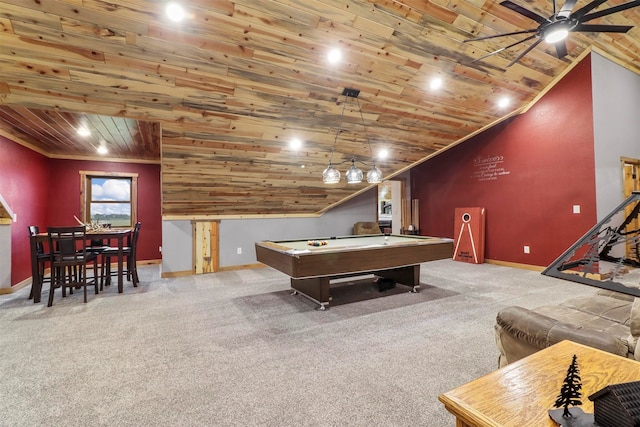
column 109, row 198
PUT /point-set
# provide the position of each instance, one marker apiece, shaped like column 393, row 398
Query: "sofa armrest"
column 526, row 325
column 540, row 331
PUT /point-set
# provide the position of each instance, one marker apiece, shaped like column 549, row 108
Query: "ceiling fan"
column 555, row 28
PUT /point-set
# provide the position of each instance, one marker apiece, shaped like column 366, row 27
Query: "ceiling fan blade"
column 587, row 8
column 533, row 30
column 614, row 9
column 567, row 8
column 596, row 28
column 524, row 52
column 502, row 48
column 525, row 12
column 561, row 49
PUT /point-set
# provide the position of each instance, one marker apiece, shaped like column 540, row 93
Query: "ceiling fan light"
column 374, row 176
column 331, row 175
column 554, row 36
column 354, row 175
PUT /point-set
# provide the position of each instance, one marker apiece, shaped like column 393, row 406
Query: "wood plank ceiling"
column 217, row 98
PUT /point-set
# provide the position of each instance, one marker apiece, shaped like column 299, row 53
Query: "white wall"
column 177, row 246
column 616, row 113
column 243, row 233
column 5, row 261
column 396, row 206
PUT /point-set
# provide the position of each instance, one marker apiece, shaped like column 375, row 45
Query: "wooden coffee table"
column 520, row 394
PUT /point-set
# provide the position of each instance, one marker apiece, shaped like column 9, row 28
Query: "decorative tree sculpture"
column 570, row 391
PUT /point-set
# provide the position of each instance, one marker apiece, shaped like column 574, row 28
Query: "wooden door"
column 205, row 247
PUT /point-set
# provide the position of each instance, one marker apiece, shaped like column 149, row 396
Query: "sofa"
column 607, row 320
column 360, row 228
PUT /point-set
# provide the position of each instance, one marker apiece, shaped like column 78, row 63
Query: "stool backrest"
column 70, row 243
column 34, row 230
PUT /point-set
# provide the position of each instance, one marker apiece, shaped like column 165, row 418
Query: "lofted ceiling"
column 217, row 98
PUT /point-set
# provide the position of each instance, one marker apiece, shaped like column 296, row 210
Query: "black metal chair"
column 70, row 259
column 41, row 260
column 129, row 253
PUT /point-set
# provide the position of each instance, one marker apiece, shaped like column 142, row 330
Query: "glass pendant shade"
column 354, row 175
column 331, row 175
column 374, row 176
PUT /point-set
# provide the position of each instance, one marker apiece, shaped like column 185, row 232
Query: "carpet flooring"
column 237, row 349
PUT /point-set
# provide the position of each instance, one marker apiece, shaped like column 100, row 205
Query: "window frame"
column 85, row 193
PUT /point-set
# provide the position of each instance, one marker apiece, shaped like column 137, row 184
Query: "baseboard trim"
column 515, row 265
column 16, row 287
column 242, row 267
column 172, row 274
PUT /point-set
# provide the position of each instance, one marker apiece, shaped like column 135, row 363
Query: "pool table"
column 311, row 268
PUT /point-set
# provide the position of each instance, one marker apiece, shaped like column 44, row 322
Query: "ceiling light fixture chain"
column 374, row 175
column 335, row 140
column 354, row 175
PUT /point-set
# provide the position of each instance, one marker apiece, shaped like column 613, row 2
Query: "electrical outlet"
column 576, row 209
column 160, row 249
column 527, row 249
column 239, row 251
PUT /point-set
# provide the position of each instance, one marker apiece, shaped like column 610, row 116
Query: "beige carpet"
column 236, row 349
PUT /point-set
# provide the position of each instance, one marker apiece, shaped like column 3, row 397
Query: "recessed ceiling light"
column 383, row 154
column 83, row 131
column 102, row 149
column 504, row 102
column 334, row 55
column 295, row 144
column 436, row 83
column 175, row 12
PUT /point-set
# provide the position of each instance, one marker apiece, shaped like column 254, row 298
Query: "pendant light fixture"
column 354, row 175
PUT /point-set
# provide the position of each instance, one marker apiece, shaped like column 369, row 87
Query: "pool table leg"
column 409, row 276
column 316, row 289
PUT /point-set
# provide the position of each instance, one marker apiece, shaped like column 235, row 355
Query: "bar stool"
column 70, row 259
column 40, row 261
column 129, row 253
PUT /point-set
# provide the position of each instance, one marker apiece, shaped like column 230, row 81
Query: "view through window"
column 109, row 198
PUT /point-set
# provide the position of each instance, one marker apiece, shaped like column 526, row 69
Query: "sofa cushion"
column 634, row 323
column 602, row 321
column 634, row 328
column 604, row 308
column 614, row 294
column 594, row 313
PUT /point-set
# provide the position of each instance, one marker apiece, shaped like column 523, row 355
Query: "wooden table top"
column 106, row 233
column 520, row 394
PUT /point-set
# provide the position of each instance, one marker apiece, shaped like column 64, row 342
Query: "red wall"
column 546, row 158
column 45, row 192
column 23, row 178
column 65, row 202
